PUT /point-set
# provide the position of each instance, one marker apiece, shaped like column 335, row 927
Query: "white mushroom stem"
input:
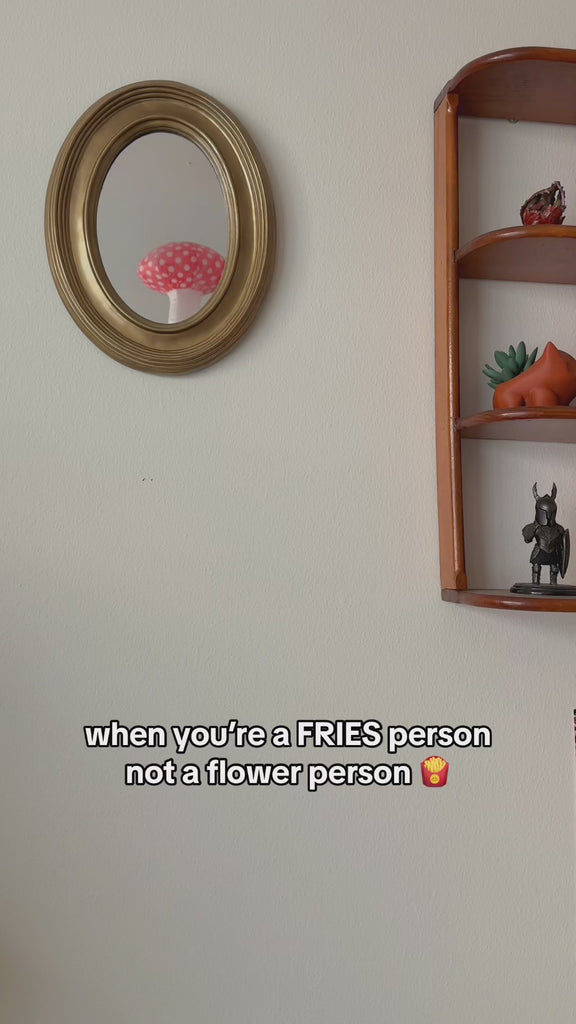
column 184, row 303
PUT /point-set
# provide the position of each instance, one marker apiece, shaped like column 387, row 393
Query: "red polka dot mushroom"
column 184, row 271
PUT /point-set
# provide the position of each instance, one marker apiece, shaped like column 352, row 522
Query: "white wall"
column 259, row 541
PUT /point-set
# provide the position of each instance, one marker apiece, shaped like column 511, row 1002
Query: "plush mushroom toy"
column 184, row 271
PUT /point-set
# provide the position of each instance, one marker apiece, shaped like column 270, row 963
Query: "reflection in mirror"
column 184, row 271
column 162, row 227
column 151, row 169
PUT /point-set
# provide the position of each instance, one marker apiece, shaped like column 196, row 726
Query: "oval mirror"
column 160, row 227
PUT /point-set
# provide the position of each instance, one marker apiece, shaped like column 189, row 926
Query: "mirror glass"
column 162, row 226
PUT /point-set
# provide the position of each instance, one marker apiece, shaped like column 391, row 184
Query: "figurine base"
column 544, row 589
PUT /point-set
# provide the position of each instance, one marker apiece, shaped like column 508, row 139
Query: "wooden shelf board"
column 513, row 602
column 527, row 83
column 541, row 253
column 547, row 424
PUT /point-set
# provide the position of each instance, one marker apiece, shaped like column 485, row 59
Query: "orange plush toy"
column 550, row 381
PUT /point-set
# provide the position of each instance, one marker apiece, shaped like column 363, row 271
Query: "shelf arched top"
column 524, row 83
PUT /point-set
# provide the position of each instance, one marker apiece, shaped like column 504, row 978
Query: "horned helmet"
column 546, row 507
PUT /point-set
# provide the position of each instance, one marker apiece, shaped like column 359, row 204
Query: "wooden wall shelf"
column 525, row 84
column 511, row 602
column 554, row 424
column 544, row 254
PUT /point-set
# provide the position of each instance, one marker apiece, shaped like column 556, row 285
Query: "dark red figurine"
column 545, row 207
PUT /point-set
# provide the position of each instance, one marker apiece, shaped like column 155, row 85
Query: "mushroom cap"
column 182, row 265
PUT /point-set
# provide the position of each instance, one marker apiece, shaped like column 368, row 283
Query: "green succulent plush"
column 512, row 363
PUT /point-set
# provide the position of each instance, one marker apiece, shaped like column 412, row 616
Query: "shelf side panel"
column 448, row 451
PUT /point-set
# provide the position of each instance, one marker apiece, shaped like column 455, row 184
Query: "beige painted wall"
column 259, row 541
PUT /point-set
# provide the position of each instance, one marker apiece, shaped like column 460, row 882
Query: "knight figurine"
column 551, row 541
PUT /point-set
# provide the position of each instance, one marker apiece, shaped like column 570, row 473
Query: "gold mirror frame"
column 83, row 162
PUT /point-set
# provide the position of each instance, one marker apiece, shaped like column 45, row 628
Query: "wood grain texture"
column 528, row 83
column 512, row 602
column 542, row 253
column 547, row 424
column 448, row 453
